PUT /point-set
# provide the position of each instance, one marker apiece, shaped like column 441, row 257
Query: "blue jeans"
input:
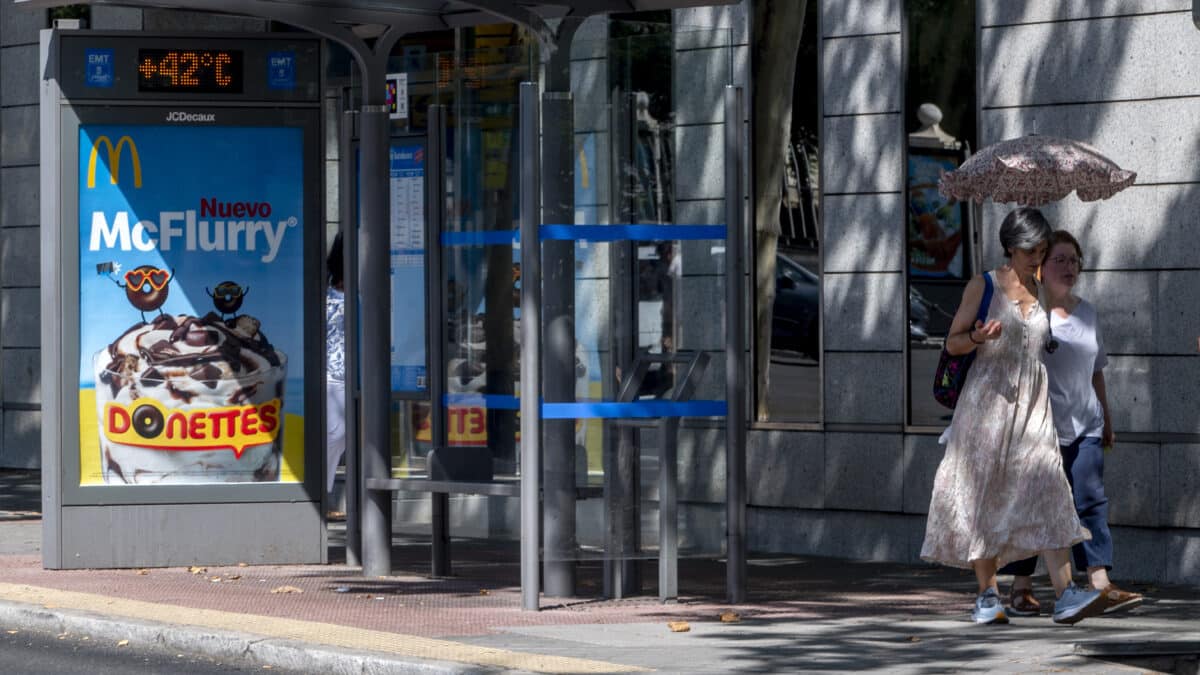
column 1083, row 462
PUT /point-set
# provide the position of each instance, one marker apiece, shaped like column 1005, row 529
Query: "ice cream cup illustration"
column 187, row 399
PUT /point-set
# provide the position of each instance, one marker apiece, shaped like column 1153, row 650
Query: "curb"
column 246, row 647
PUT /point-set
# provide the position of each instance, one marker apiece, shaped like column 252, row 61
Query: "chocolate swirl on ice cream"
column 190, row 357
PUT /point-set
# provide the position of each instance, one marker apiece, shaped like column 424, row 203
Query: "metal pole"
column 622, row 464
column 558, row 313
column 735, row 353
column 531, row 346
column 668, row 508
column 375, row 299
column 435, row 218
column 348, row 215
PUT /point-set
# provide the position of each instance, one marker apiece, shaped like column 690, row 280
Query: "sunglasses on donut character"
column 158, row 279
column 146, row 286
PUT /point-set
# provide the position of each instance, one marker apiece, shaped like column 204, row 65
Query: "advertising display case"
column 183, row 337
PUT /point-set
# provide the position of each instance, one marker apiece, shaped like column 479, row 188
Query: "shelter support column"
column 435, row 218
column 735, row 352
column 558, row 206
column 559, row 460
column 375, row 301
column 622, row 466
column 531, row 346
column 347, row 177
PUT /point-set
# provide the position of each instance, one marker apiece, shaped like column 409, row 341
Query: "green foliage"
column 71, row 12
column 941, row 63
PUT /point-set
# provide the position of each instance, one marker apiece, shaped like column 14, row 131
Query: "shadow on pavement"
column 20, row 495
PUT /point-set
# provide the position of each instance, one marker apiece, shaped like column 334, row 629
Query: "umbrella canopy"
column 1034, row 170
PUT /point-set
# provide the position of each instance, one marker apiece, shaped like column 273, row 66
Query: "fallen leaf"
column 913, row 638
column 730, row 617
column 197, row 570
column 286, row 589
column 679, row 626
column 233, row 577
column 484, row 591
column 242, row 564
column 122, row 643
column 142, row 573
column 215, row 580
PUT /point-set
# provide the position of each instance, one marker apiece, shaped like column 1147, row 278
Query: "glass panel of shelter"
column 478, row 89
column 637, row 297
column 648, row 308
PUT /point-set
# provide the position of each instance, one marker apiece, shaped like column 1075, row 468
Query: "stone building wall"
column 20, row 270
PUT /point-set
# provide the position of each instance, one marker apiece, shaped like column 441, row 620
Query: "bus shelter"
column 635, row 248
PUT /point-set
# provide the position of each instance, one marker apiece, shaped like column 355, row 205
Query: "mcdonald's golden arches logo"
column 114, row 160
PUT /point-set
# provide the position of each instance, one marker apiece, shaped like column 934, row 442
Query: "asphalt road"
column 31, row 653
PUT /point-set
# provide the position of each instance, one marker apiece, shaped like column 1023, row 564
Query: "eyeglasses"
column 1067, row 260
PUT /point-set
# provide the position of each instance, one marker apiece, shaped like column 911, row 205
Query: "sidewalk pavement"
column 804, row 614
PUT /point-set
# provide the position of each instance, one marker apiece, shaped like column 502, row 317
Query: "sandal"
column 1022, row 603
column 1117, row 600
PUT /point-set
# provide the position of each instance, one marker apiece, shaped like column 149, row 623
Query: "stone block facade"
column 859, row 484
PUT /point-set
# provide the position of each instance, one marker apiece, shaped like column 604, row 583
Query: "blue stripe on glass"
column 630, row 232
column 612, row 410
column 596, row 409
column 589, row 233
column 494, row 237
column 494, row 401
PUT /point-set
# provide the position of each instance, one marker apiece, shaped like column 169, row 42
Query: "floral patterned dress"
column 1000, row 491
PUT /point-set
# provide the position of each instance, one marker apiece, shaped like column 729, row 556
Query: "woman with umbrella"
column 1000, row 493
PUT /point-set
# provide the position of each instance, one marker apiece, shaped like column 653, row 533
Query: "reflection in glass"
column 792, row 391
column 940, row 119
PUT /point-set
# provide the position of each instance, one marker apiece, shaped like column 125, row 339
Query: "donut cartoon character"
column 227, row 297
column 146, row 286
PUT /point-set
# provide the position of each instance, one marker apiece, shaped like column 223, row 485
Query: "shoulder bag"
column 952, row 369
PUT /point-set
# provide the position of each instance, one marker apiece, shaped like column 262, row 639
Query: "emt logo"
column 114, row 160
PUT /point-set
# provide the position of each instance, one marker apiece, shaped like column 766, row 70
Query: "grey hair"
column 1023, row 228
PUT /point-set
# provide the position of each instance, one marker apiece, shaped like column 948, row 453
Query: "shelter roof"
column 413, row 15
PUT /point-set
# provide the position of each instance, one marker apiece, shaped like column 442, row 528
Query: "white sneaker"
column 988, row 608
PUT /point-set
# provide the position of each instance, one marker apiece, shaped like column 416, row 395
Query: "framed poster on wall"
column 937, row 226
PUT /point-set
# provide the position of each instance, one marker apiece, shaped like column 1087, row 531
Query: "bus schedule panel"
column 135, row 66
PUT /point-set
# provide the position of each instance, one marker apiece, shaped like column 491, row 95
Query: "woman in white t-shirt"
column 1075, row 361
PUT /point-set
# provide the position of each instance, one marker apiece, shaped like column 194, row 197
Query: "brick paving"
column 483, row 596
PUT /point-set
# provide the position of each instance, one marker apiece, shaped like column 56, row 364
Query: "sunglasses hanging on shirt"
column 1051, row 342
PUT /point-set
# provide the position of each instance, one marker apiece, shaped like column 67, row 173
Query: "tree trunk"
column 778, row 25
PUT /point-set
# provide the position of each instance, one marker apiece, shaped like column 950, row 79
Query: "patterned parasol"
column 1034, row 170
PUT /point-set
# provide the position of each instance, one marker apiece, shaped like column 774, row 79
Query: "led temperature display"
column 202, row 71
